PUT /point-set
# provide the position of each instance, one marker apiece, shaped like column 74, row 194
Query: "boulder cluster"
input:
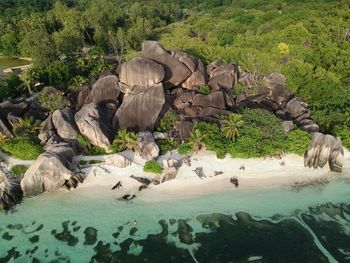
column 137, row 94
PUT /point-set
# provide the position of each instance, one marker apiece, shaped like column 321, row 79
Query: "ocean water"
column 308, row 223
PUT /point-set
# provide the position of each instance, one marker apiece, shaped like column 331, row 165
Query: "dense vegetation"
column 308, row 42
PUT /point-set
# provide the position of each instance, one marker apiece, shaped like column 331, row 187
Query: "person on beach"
column 242, row 167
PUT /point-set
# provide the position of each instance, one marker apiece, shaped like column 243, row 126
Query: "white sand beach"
column 258, row 173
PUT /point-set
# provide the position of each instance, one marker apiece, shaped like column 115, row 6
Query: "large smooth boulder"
column 141, row 72
column 50, row 171
column 64, row 123
column 105, row 89
column 184, row 128
column 296, row 108
column 91, row 125
column 146, row 146
column 323, row 149
column 176, row 72
column 140, row 109
column 47, row 129
column 223, row 77
column 167, row 175
column 16, row 107
column 10, row 190
column 274, row 79
column 184, row 99
column 197, row 78
column 215, row 99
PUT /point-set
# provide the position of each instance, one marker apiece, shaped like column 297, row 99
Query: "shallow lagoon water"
column 6, row 62
column 280, row 224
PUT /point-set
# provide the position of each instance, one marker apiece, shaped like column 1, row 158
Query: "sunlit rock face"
column 141, row 72
column 323, row 149
column 50, row 171
column 64, row 123
column 106, row 89
column 91, row 125
column 141, row 108
column 176, row 72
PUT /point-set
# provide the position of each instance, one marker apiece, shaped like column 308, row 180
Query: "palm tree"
column 25, row 126
column 196, row 140
column 125, row 140
column 3, row 139
column 230, row 126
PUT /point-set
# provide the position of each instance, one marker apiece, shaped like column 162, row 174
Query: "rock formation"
column 106, row 89
column 118, row 160
column 53, row 169
column 64, row 123
column 10, row 190
column 140, row 109
column 146, row 146
column 323, row 149
column 90, row 124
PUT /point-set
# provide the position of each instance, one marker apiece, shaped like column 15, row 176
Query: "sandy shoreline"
column 259, row 173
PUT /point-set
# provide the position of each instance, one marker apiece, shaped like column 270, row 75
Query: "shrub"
column 213, row 138
column 297, row 142
column 167, row 122
column 152, row 167
column 26, row 126
column 52, row 101
column 230, row 126
column 19, row 170
column 124, row 140
column 344, row 133
column 9, row 87
column 168, row 145
column 205, row 89
column 196, row 140
column 88, row 148
column 24, row 148
column 184, row 149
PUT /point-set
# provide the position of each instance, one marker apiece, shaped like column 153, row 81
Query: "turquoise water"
column 282, row 224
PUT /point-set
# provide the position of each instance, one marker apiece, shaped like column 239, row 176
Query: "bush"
column 9, row 87
column 167, row 122
column 168, row 145
column 52, row 101
column 88, row 148
column 205, row 89
column 26, row 126
column 344, row 133
column 19, row 170
column 24, row 148
column 297, row 142
column 152, row 167
column 124, row 140
column 184, row 149
column 214, row 140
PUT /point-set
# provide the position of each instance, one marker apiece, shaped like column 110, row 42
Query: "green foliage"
column 184, row 149
column 9, row 87
column 211, row 137
column 344, row 133
column 297, row 142
column 3, row 139
column 19, row 170
column 24, row 148
column 230, row 126
column 205, row 89
column 52, row 101
column 124, row 140
column 196, row 140
column 168, row 144
column 26, row 126
column 168, row 121
column 152, row 167
column 88, row 148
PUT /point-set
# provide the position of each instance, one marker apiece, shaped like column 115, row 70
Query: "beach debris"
column 142, row 180
column 142, row 187
column 127, row 197
column 117, row 185
column 234, row 180
column 216, row 173
column 283, row 163
column 242, row 167
column 187, row 161
column 74, row 180
column 199, row 172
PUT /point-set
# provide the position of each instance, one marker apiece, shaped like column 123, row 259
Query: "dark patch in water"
column 65, row 235
column 172, row 221
column 90, row 236
column 34, row 239
column 11, row 254
column 76, row 228
column 132, row 231
column 331, row 233
column 40, row 227
column 104, row 253
column 7, row 236
column 238, row 240
column 16, row 226
column 184, row 231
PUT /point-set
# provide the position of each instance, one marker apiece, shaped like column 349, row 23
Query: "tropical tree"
column 124, row 141
column 230, row 126
column 25, row 126
column 196, row 140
